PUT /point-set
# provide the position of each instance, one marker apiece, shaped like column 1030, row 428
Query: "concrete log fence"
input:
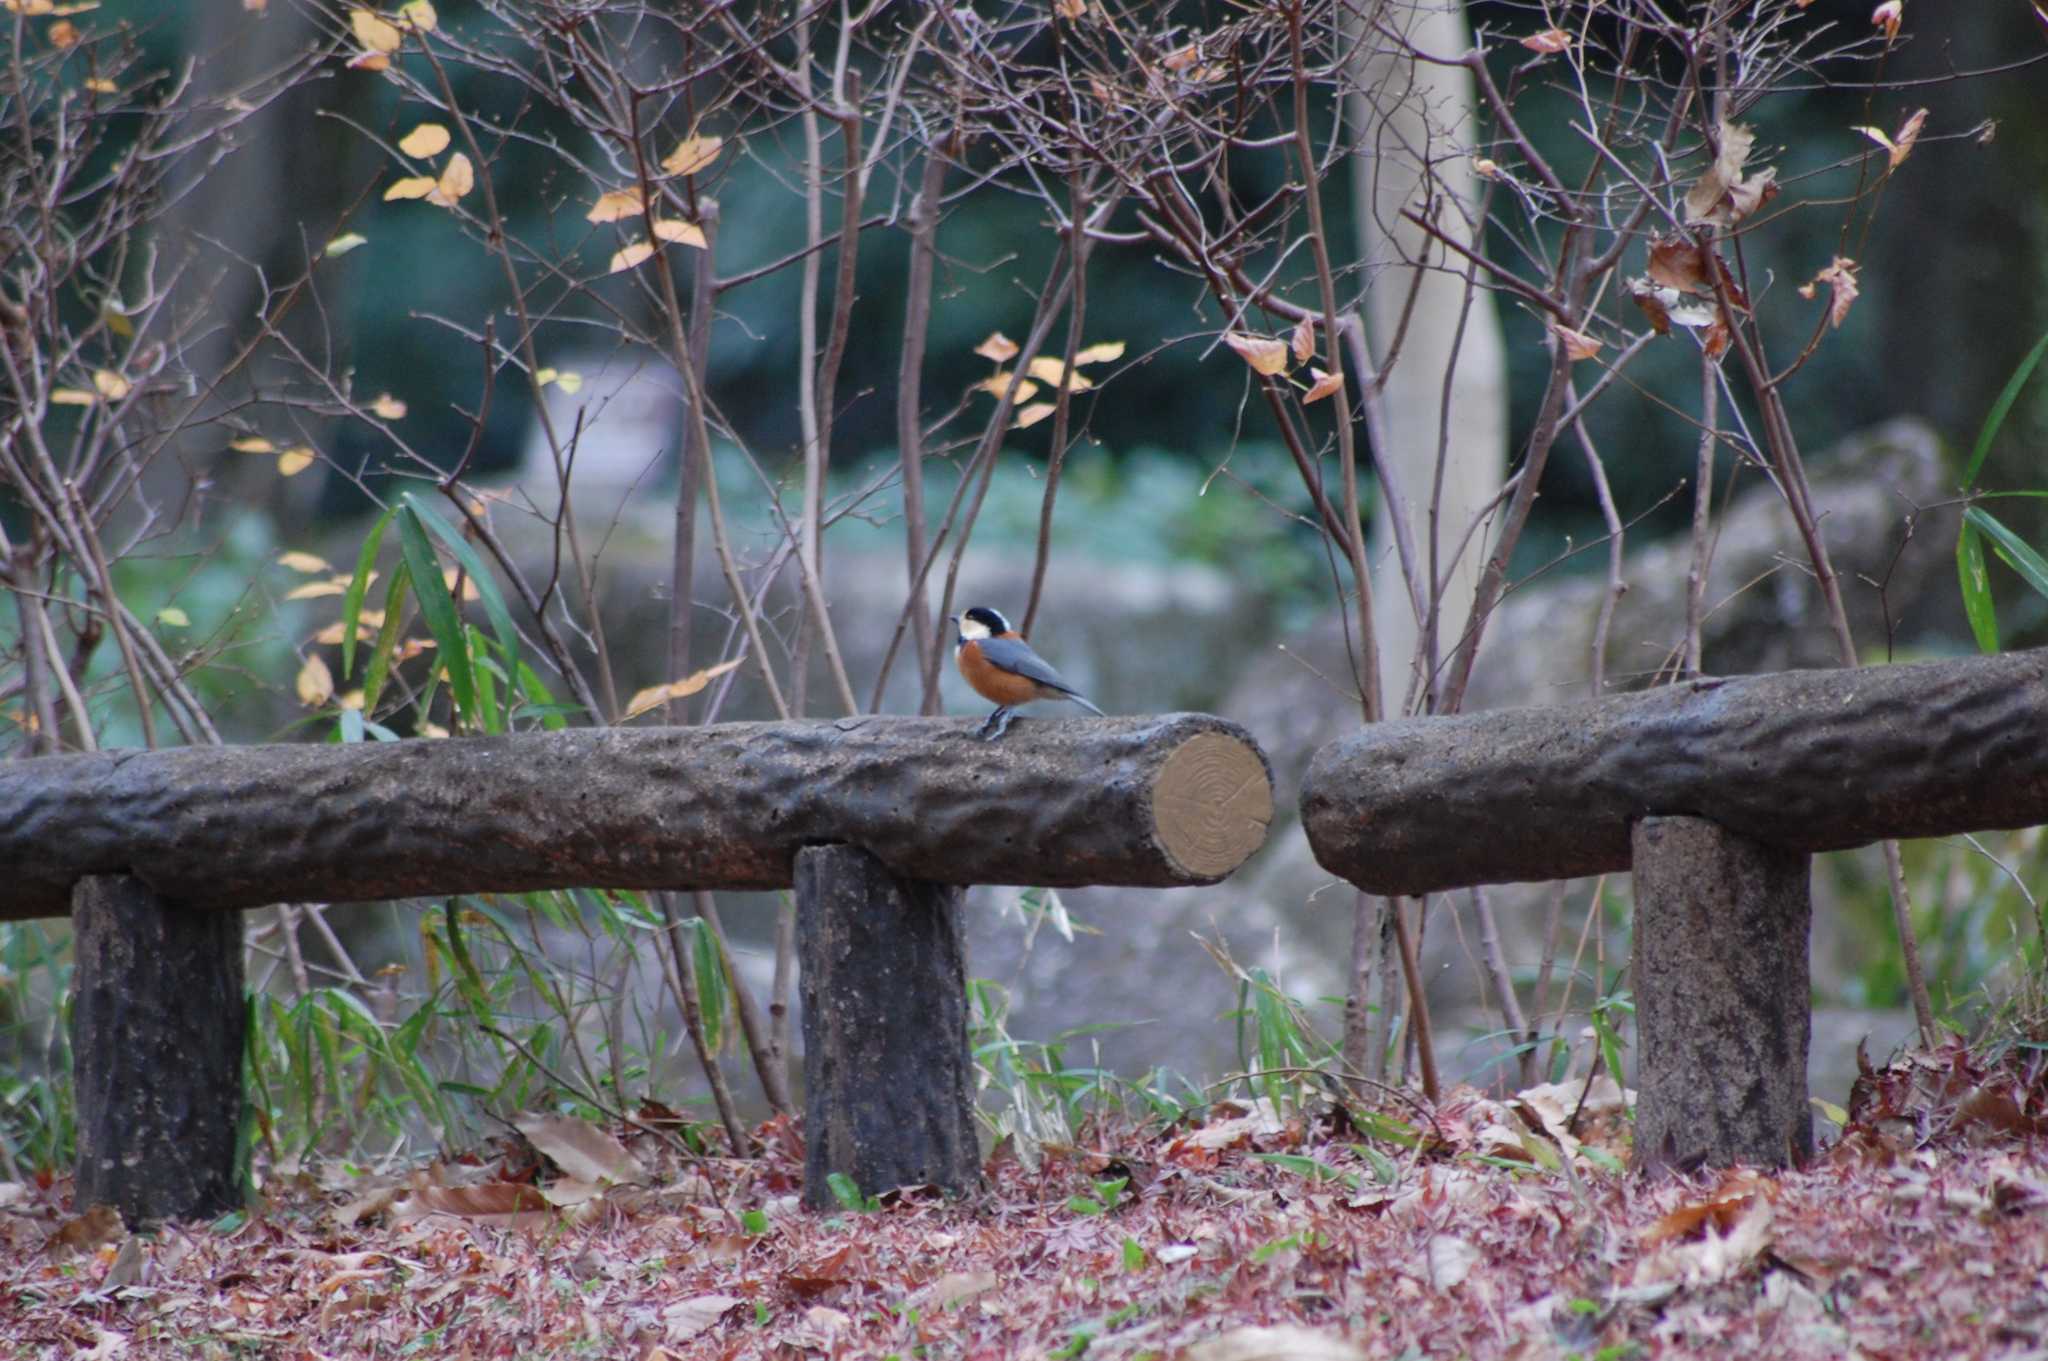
column 1715, row 792
column 876, row 822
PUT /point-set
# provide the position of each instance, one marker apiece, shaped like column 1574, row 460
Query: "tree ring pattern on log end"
column 1212, row 801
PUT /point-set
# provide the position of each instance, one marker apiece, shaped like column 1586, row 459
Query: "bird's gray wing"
column 1014, row 654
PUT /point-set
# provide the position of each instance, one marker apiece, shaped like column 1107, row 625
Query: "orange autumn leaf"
column 1548, row 41
column 998, row 347
column 1325, row 385
column 1266, row 355
column 428, row 139
column 377, row 34
column 692, row 154
column 615, row 205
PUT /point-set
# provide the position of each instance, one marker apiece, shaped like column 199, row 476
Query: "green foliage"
column 37, row 1114
column 1978, row 523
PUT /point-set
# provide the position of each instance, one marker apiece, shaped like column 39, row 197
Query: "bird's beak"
column 952, row 618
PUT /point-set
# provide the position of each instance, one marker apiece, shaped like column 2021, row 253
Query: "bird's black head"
column 981, row 622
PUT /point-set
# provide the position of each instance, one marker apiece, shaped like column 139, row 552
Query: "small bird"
column 1001, row 666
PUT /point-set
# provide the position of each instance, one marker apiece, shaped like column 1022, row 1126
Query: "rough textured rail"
column 1800, row 760
column 1151, row 801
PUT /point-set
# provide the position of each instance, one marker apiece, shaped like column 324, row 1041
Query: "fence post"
column 157, row 1024
column 888, row 1080
column 1723, row 997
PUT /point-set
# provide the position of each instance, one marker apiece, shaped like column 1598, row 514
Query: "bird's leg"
column 997, row 723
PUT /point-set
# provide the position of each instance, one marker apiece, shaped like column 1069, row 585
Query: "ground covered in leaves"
column 1481, row 1228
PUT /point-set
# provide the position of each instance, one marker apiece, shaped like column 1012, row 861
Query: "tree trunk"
column 1723, row 1007
column 1415, row 124
column 157, row 1023
column 888, row 1080
column 1148, row 801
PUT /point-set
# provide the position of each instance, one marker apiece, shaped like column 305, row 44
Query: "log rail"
column 1714, row 793
column 876, row 822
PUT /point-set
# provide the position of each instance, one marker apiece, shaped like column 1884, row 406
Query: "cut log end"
column 1212, row 801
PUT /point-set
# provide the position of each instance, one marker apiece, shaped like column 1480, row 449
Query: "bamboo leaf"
column 352, row 599
column 437, row 605
column 379, row 669
column 1976, row 587
column 1995, row 418
column 2011, row 549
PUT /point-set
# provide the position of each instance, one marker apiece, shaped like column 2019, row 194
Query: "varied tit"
column 1001, row 666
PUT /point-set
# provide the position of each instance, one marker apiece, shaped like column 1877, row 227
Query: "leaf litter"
column 1488, row 1228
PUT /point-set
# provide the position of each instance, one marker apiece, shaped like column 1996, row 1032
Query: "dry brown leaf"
column 1723, row 195
column 997, row 347
column 63, row 34
column 1887, row 17
column 647, row 699
column 387, row 407
column 1100, row 353
column 496, row 1201
column 1840, row 277
column 1181, row 58
column 617, row 204
column 1680, row 263
column 315, row 682
column 109, row 384
column 1287, row 1342
column 428, row 139
column 583, row 1151
column 1325, row 384
column 377, row 34
column 1577, row 344
column 1032, row 415
column 685, row 1319
column 955, row 1286
column 692, row 154
column 295, row 460
column 1548, row 41
column 300, row 561
column 1303, row 342
column 1070, row 9
column 88, row 1232
column 1265, row 354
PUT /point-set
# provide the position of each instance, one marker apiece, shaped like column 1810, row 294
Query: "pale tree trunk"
column 1445, row 401
column 1415, row 123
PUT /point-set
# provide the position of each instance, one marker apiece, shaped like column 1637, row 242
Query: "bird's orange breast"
column 994, row 683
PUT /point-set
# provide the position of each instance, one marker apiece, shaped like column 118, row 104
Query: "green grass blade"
column 1976, row 586
column 2011, row 549
column 438, row 606
column 486, row 584
column 387, row 638
column 352, row 599
column 1995, row 418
